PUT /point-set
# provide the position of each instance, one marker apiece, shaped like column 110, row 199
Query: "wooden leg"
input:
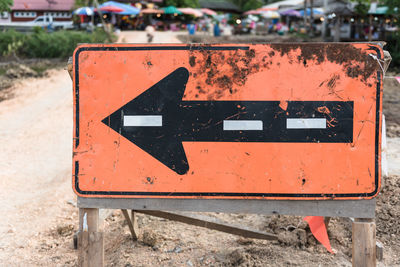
column 90, row 239
column 132, row 223
column 364, row 243
column 135, row 224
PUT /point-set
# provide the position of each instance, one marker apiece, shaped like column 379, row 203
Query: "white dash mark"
column 304, row 123
column 243, row 125
column 143, row 120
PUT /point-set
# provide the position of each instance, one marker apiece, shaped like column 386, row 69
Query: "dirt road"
column 38, row 216
column 140, row 37
column 35, row 161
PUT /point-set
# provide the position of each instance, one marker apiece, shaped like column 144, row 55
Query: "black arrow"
column 158, row 121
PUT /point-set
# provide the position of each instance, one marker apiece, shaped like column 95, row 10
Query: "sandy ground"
column 35, row 162
column 39, row 216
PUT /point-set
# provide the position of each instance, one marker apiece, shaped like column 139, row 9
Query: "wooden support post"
column 132, row 223
column 90, row 239
column 364, row 243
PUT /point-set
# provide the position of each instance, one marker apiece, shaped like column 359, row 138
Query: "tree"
column 246, row 5
column 362, row 7
column 252, row 4
column 182, row 3
column 5, row 5
column 394, row 7
column 81, row 3
column 393, row 41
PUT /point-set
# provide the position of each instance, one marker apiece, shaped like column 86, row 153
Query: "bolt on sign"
column 261, row 121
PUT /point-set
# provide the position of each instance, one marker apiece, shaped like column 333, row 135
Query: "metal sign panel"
column 275, row 121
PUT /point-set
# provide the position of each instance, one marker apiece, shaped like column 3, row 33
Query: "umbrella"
column 112, row 9
column 259, row 11
column 252, row 12
column 290, row 13
column 125, row 9
column 208, row 11
column 171, row 10
column 86, row 11
column 191, row 11
column 151, row 11
column 316, row 11
column 270, row 15
column 263, row 9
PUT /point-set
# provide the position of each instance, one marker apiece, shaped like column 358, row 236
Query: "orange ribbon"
column 318, row 229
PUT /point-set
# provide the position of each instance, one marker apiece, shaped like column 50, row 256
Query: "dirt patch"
column 150, row 239
column 167, row 243
column 12, row 72
column 387, row 223
column 227, row 71
column 238, row 39
column 249, row 256
column 224, row 71
column 65, row 230
column 192, row 61
column 391, row 106
column 342, row 54
column 19, row 71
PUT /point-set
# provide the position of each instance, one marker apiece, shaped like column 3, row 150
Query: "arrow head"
column 149, row 121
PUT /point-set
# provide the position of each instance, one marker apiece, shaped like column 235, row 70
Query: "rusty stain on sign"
column 276, row 121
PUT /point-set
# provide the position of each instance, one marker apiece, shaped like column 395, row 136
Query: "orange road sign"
column 273, row 121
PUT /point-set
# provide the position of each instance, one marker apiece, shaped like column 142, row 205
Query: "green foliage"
column 246, row 5
column 252, row 4
column 393, row 42
column 81, row 3
column 362, row 7
column 13, row 48
column 9, row 40
column 5, row 5
column 394, row 8
column 182, row 3
column 41, row 44
column 393, row 46
column 58, row 44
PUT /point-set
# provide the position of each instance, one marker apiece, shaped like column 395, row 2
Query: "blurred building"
column 27, row 10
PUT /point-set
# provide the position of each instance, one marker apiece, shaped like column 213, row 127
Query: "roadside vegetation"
column 31, row 55
column 393, row 46
column 41, row 44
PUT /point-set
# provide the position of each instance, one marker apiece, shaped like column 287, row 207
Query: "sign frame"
column 181, row 195
column 327, row 208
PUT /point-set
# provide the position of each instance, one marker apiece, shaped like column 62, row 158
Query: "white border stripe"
column 243, row 125
column 143, row 120
column 304, row 123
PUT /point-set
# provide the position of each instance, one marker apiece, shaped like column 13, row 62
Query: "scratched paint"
column 107, row 77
